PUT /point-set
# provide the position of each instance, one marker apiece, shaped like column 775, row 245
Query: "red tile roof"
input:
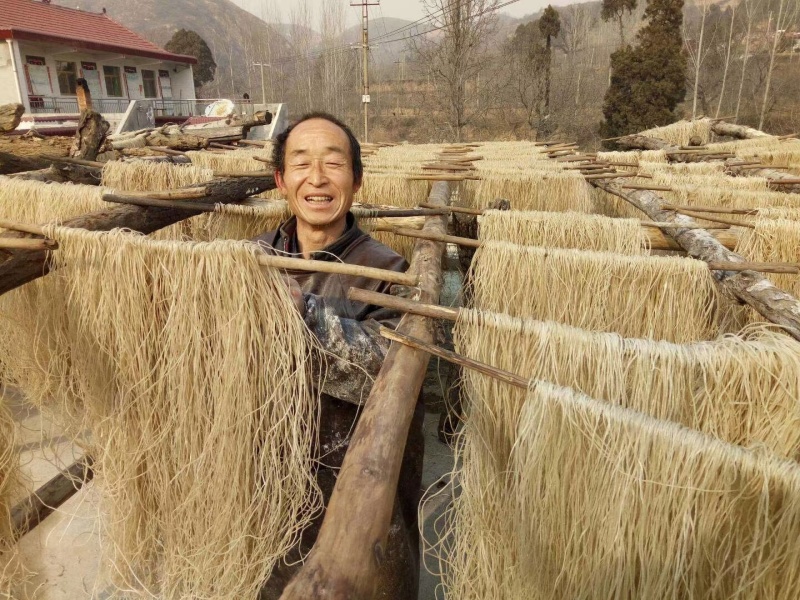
column 35, row 20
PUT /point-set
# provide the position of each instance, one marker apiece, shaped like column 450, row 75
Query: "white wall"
column 9, row 92
column 182, row 82
column 52, row 54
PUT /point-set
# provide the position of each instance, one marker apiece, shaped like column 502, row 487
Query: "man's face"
column 318, row 173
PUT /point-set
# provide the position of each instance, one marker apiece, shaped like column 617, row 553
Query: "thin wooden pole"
column 322, row 266
column 708, row 209
column 785, row 268
column 223, row 174
column 458, row 359
column 456, row 209
column 436, row 237
column 73, row 161
column 700, row 215
column 157, row 203
column 413, row 307
column 181, row 194
column 26, row 244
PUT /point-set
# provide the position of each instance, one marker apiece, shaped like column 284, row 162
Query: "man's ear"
column 357, row 186
column 280, row 182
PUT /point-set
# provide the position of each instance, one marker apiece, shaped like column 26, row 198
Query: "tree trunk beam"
column 63, row 173
column 90, row 137
column 11, row 163
column 751, row 288
column 10, row 116
column 741, row 132
column 18, row 267
column 351, row 545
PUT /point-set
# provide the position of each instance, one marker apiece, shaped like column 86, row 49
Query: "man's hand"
column 297, row 295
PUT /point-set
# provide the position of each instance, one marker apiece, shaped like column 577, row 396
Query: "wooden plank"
column 43, row 502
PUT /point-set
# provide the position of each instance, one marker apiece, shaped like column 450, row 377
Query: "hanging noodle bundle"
column 563, row 496
column 37, row 202
column 668, row 298
column 549, row 189
column 681, row 132
column 9, row 459
column 149, row 176
column 774, row 240
column 741, row 389
column 564, row 230
column 190, row 366
column 235, row 160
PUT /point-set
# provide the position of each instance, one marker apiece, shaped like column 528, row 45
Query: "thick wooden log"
column 20, row 267
column 10, row 116
column 90, row 137
column 11, row 163
column 63, row 173
column 741, row 132
column 751, row 288
column 43, row 502
column 643, row 142
column 180, row 141
column 351, row 544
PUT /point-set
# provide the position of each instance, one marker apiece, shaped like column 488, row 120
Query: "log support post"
column 351, row 545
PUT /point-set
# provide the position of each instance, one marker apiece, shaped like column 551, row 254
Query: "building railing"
column 161, row 108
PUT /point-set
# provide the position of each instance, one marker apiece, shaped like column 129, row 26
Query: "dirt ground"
column 33, row 146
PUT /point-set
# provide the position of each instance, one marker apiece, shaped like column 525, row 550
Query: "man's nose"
column 317, row 176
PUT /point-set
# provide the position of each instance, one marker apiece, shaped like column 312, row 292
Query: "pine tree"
column 185, row 41
column 550, row 27
column 648, row 81
column 615, row 9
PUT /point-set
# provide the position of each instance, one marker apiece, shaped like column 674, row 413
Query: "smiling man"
column 318, row 168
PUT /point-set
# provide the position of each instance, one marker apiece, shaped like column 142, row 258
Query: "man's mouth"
column 319, row 199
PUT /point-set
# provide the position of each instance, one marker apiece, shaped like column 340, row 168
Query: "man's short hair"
column 279, row 150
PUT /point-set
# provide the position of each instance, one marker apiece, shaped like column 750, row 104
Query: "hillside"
column 235, row 37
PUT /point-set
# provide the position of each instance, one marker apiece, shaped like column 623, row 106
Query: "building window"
column 149, row 83
column 67, row 75
column 113, row 81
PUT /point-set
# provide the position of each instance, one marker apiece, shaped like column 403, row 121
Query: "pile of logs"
column 190, row 137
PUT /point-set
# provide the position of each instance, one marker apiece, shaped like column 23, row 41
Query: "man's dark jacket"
column 354, row 355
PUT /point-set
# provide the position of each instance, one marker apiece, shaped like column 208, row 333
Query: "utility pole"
column 365, row 99
column 263, row 86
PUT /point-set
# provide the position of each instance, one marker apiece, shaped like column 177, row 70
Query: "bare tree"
column 616, row 9
column 750, row 8
column 697, row 54
column 787, row 14
column 455, row 58
column 727, row 62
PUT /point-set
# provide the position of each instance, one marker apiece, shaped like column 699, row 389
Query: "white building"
column 45, row 48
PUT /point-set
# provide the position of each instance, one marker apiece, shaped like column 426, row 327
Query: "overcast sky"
column 400, row 9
